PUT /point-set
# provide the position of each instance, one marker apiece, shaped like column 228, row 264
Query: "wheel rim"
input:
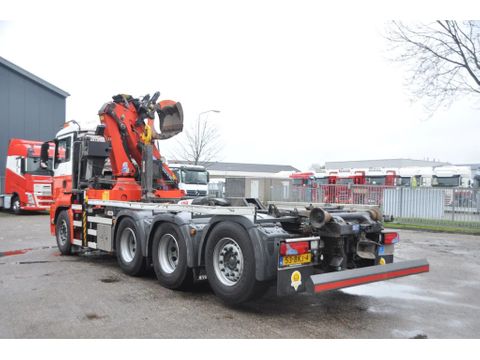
column 228, row 261
column 63, row 232
column 168, row 253
column 16, row 205
column 128, row 245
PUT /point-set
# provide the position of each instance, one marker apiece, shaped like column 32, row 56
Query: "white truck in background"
column 415, row 176
column 452, row 176
column 193, row 179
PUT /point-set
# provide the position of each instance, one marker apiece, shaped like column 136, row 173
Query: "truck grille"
column 42, row 189
column 196, row 192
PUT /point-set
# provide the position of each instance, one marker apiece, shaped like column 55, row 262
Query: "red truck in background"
column 344, row 186
column 28, row 185
column 309, row 186
column 382, row 177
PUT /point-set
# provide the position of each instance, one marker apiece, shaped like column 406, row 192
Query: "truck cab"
column 452, row 176
column 193, row 179
column 28, row 185
column 380, row 176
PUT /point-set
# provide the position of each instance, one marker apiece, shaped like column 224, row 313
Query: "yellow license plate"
column 295, row 259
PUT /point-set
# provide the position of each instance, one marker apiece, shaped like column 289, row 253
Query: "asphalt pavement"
column 46, row 295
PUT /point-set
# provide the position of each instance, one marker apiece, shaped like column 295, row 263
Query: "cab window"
column 62, row 151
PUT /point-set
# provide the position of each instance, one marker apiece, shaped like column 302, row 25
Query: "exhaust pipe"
column 319, row 217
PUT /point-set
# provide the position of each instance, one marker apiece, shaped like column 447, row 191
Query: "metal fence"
column 216, row 189
column 456, row 207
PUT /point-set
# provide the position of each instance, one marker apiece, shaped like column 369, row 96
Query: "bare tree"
column 443, row 59
column 201, row 142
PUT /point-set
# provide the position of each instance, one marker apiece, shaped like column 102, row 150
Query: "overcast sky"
column 295, row 84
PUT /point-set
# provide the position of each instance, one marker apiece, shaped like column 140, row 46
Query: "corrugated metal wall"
column 28, row 110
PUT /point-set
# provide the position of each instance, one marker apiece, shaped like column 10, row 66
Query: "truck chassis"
column 238, row 249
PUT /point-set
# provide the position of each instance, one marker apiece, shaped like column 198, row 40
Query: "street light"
column 207, row 111
column 198, row 121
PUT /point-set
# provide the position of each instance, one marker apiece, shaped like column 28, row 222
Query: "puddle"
column 381, row 290
column 92, row 316
column 409, row 334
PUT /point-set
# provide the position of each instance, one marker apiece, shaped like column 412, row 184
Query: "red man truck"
column 28, row 183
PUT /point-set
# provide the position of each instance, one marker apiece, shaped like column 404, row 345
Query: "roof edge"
column 33, row 77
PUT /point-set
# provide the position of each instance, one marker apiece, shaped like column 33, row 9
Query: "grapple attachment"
column 170, row 114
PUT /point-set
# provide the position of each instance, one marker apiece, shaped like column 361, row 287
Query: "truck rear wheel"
column 169, row 257
column 230, row 264
column 62, row 232
column 128, row 248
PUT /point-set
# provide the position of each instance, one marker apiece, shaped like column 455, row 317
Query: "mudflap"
column 293, row 280
column 346, row 278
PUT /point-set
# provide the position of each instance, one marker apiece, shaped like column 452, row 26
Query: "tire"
column 128, row 248
column 62, row 233
column 169, row 257
column 230, row 264
column 15, row 205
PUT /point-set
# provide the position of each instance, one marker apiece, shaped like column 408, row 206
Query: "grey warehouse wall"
column 28, row 110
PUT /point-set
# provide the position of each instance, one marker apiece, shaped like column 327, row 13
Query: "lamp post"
column 207, row 111
column 199, row 128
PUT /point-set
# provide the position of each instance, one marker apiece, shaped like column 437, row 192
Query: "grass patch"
column 433, row 228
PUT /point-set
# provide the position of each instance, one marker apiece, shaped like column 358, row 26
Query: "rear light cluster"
column 294, row 248
column 391, row 238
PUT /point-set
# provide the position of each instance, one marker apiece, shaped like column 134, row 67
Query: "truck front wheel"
column 169, row 257
column 62, row 232
column 128, row 248
column 15, row 205
column 230, row 264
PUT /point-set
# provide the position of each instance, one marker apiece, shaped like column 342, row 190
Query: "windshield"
column 405, row 181
column 299, row 182
column 321, row 181
column 376, row 180
column 446, row 181
column 32, row 166
column 476, row 182
column 345, row 181
column 194, row 176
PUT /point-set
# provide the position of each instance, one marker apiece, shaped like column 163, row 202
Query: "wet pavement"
column 45, row 295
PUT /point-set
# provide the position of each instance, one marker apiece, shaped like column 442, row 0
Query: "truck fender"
column 140, row 218
column 259, row 247
column 184, row 229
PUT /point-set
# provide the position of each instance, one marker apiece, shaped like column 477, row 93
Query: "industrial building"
column 30, row 108
column 248, row 180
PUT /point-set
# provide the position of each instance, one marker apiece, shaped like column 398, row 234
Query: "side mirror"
column 22, row 165
column 208, row 177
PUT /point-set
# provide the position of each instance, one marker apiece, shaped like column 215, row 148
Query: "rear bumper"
column 294, row 280
column 342, row 279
